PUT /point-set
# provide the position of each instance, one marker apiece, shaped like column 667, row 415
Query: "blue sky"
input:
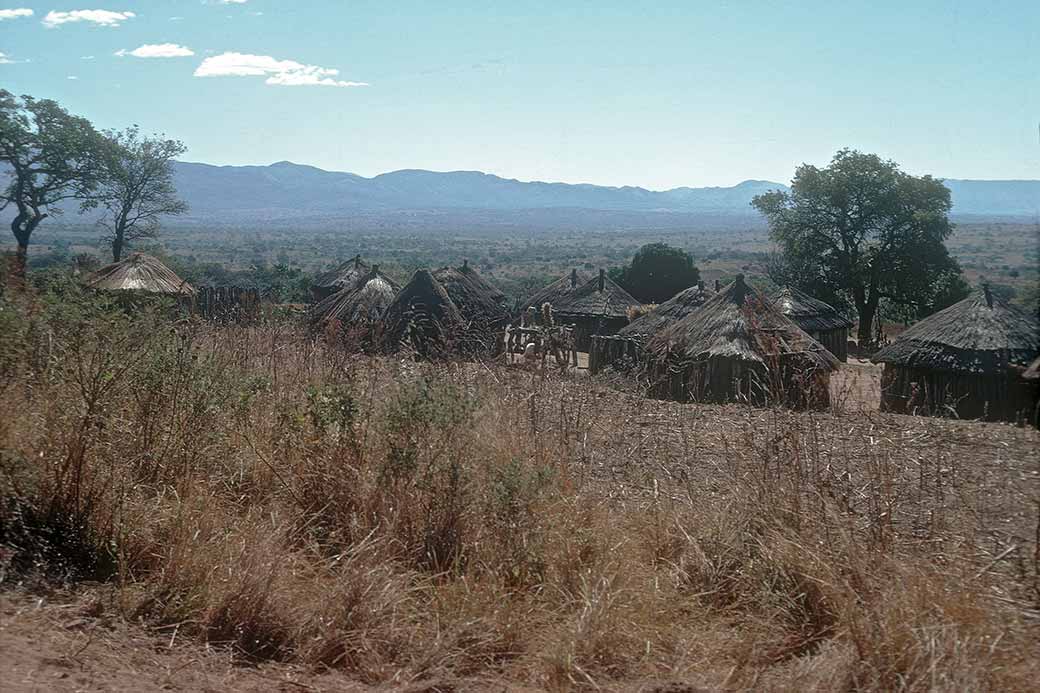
column 657, row 94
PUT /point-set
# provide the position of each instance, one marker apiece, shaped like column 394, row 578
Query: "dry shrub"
column 403, row 522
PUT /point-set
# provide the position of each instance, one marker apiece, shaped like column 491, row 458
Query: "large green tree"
column 658, row 272
column 48, row 156
column 137, row 190
column 862, row 232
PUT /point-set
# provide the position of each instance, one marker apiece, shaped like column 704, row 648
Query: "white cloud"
column 98, row 17
column 286, row 73
column 233, row 2
column 4, row 60
column 158, row 50
column 72, row 77
column 15, row 14
column 86, row 57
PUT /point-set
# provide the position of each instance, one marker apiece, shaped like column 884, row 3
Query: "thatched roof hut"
column 597, row 306
column 423, row 316
column 671, row 311
column 821, row 320
column 624, row 350
column 738, row 346
column 139, row 272
column 359, row 306
column 480, row 303
column 966, row 360
column 557, row 291
column 346, row 276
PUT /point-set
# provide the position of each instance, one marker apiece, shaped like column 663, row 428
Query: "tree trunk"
column 117, row 248
column 16, row 276
column 866, row 317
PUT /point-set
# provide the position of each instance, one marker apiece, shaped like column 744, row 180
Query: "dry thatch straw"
column 423, row 315
column 982, row 334
column 556, row 292
column 671, row 311
column 362, row 304
column 139, row 272
column 738, row 345
column 479, row 302
column 346, row 276
column 819, row 319
column 964, row 361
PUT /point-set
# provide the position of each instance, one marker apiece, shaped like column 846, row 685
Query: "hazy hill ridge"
column 289, row 188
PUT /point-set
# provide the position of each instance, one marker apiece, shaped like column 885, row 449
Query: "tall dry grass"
column 399, row 521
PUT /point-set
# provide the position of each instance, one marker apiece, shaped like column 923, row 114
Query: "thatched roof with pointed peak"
column 739, row 323
column 668, row 313
column 981, row 334
column 557, row 291
column 599, row 297
column 482, row 283
column 365, row 302
column 425, row 303
column 477, row 301
column 811, row 314
column 346, row 276
column 139, row 272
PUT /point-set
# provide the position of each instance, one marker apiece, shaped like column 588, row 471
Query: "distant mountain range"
column 287, row 193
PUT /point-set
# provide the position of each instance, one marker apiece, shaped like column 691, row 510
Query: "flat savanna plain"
column 290, row 516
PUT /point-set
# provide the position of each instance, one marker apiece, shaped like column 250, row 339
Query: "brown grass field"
column 206, row 508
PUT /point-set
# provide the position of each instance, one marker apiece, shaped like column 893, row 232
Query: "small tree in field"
column 863, row 231
column 50, row 156
column 138, row 189
column 658, row 272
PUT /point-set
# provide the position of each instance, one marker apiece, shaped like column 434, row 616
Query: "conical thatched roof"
column 668, row 313
column 346, row 276
column 477, row 301
column 981, row 334
column 557, row 291
column 740, row 323
column 482, row 283
column 810, row 314
column 424, row 305
column 365, row 302
column 139, row 272
column 599, row 297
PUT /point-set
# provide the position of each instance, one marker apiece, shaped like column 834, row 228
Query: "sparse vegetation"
column 398, row 522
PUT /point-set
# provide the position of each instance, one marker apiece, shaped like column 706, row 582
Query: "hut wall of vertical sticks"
column 345, row 276
column 823, row 323
column 965, row 361
column 738, row 347
column 625, row 349
column 597, row 306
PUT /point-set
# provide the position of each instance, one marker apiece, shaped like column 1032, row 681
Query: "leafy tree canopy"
column 657, row 272
column 862, row 233
column 49, row 156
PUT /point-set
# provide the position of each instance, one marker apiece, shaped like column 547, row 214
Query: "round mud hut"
column 142, row 273
column 738, row 347
column 965, row 361
column 625, row 349
column 346, row 276
column 597, row 306
column 423, row 317
column 822, row 321
column 356, row 312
